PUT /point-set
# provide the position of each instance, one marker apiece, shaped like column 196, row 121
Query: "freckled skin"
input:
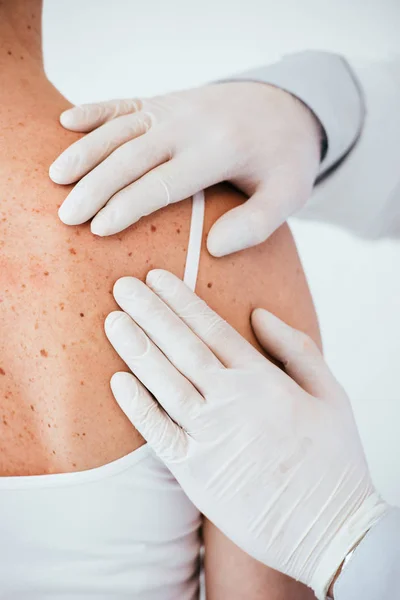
column 56, row 289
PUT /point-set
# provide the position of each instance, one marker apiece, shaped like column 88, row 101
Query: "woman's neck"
column 21, row 37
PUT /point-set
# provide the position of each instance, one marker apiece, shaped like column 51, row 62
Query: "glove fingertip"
column 68, row 118
column 221, row 242
column 125, row 388
column 77, row 118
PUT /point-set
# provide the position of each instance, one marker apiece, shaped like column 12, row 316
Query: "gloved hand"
column 272, row 458
column 144, row 154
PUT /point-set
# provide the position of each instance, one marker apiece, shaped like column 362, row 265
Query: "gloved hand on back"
column 273, row 458
column 141, row 155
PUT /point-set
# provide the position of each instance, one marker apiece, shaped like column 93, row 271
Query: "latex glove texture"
column 272, row 458
column 143, row 154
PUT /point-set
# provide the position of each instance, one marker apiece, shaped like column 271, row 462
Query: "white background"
column 99, row 49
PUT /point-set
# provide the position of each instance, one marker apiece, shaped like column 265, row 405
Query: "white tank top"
column 121, row 531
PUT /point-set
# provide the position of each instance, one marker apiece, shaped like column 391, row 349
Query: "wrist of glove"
column 273, row 458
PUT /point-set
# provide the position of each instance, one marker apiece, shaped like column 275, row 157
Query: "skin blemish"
column 178, row 230
column 46, row 273
column 32, row 408
column 74, row 464
column 44, row 353
column 48, row 425
column 36, row 325
column 64, row 346
column 153, row 228
column 81, row 314
column 2, row 371
column 82, row 383
column 62, row 305
column 9, row 53
column 72, row 251
column 77, row 232
column 129, row 253
column 5, row 422
column 29, row 27
column 54, row 451
column 209, row 285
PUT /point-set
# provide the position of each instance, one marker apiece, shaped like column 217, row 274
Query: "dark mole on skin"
column 32, row 408
column 153, row 228
column 81, row 314
column 46, row 273
column 72, row 251
column 2, row 371
column 82, row 383
column 129, row 253
column 44, row 352
column 209, row 285
column 9, row 53
column 178, row 230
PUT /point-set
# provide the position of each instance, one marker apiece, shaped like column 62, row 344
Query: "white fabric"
column 195, row 239
column 373, row 573
column 363, row 193
column 273, row 459
column 123, row 530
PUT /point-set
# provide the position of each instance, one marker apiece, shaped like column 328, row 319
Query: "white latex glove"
column 273, row 459
column 144, row 154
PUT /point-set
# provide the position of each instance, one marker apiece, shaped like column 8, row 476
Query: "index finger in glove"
column 86, row 117
column 175, row 393
column 170, row 334
column 85, row 154
column 225, row 342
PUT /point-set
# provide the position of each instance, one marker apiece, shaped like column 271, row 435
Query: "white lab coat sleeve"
column 373, row 572
column 362, row 193
column 328, row 86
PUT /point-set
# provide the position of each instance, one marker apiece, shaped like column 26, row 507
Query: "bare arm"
column 270, row 276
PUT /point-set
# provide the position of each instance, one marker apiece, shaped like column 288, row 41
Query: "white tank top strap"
column 195, row 238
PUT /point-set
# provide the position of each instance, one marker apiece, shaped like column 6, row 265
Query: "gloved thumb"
column 86, row 117
column 246, row 225
column 295, row 350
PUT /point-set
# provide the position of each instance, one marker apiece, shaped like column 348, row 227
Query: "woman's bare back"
column 57, row 411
